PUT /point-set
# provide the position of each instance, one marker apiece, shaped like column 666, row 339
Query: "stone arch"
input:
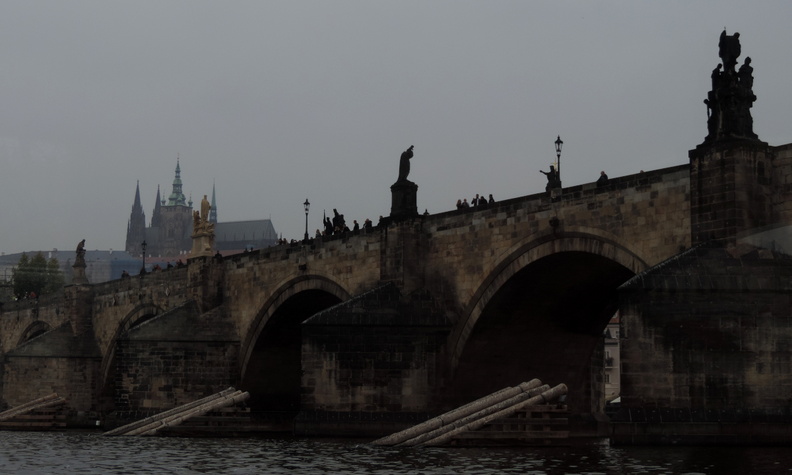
column 278, row 298
column 33, row 330
column 521, row 255
column 271, row 358
column 139, row 314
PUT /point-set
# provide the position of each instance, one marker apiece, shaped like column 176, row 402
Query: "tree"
column 36, row 276
column 55, row 278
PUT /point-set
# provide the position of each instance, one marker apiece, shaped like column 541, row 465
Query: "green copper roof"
column 176, row 197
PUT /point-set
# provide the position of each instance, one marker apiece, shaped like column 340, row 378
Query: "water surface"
column 90, row 453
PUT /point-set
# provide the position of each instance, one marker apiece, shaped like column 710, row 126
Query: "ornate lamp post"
column 558, row 144
column 307, row 206
column 143, row 246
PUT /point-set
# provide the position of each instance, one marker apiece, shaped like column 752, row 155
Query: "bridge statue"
column 553, row 180
column 404, row 163
column 205, row 207
column 203, row 231
column 404, row 193
column 731, row 98
column 78, row 276
column 729, row 50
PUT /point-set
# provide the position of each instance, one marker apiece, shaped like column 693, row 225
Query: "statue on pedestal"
column 79, row 265
column 203, row 231
column 404, row 192
column 201, row 222
column 731, row 98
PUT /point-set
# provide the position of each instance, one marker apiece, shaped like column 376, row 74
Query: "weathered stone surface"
column 708, row 331
column 376, row 353
column 173, row 359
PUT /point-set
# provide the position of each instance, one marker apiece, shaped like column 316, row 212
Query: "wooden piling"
column 124, row 430
column 45, row 401
column 456, row 414
column 549, row 395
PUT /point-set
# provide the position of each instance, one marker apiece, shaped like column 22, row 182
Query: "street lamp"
column 143, row 245
column 307, row 206
column 558, row 144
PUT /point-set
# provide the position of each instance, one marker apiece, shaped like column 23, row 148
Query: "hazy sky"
column 279, row 101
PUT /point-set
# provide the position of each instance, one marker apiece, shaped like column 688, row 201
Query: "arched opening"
column 106, row 390
column 273, row 370
column 33, row 330
column 545, row 321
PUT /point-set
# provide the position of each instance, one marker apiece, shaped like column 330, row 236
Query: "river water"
column 90, row 453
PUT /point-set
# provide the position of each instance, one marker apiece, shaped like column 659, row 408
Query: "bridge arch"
column 33, row 330
column 271, row 349
column 136, row 316
column 553, row 293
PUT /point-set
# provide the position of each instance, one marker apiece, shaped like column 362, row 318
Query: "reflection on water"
column 79, row 452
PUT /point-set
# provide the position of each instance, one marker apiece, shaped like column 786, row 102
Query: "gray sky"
column 280, row 101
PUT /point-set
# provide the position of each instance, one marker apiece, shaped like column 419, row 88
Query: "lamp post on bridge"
column 307, row 206
column 558, row 144
column 143, row 246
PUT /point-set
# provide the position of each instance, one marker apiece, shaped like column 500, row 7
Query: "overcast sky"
column 280, row 101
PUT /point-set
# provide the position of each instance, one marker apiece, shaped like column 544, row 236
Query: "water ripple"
column 89, row 453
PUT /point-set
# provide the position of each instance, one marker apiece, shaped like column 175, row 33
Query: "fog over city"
column 276, row 102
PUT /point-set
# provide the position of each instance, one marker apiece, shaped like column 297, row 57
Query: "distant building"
column 169, row 233
column 612, row 360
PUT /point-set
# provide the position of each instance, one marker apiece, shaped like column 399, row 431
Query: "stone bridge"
column 370, row 331
column 406, row 319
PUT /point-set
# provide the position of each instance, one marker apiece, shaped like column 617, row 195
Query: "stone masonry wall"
column 731, row 190
column 372, row 362
column 782, row 184
column 72, row 378
column 711, row 333
column 173, row 359
column 156, row 375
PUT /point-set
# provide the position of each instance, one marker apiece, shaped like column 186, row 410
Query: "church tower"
column 176, row 197
column 136, row 228
column 175, row 221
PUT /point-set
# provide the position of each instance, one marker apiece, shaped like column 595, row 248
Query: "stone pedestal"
column 78, row 274
column 202, row 244
column 404, row 202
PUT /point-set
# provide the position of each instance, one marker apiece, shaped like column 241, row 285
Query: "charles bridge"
column 368, row 332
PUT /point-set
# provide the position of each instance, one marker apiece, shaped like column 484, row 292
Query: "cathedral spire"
column 176, row 197
column 213, row 209
column 136, row 228
column 156, row 215
column 136, row 204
